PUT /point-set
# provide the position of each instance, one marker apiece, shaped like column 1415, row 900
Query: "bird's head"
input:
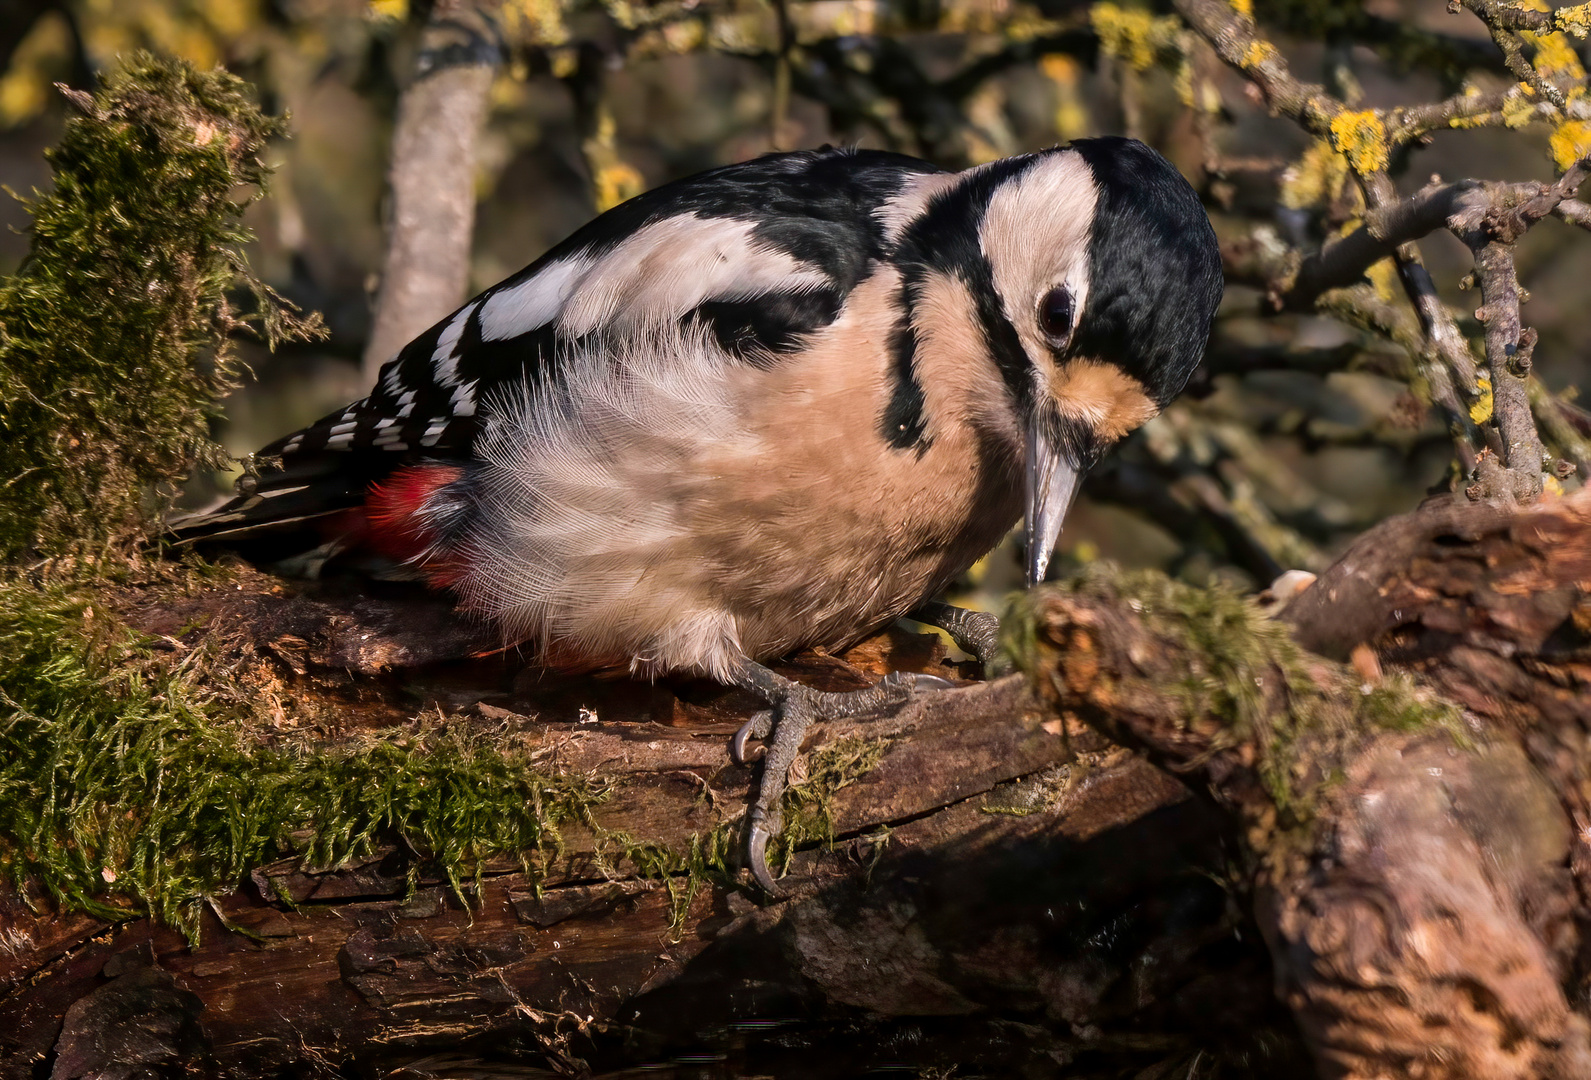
column 1105, row 269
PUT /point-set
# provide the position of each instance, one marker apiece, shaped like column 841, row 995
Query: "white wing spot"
column 344, row 428
column 339, row 442
column 463, row 403
column 434, row 432
column 393, row 379
column 445, row 360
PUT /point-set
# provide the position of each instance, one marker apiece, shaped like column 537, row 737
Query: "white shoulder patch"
column 670, row 266
column 532, row 303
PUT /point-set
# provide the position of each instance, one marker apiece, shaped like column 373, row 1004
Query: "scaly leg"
column 792, row 709
column 977, row 632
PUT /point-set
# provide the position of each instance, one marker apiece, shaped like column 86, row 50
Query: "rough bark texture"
column 1007, row 891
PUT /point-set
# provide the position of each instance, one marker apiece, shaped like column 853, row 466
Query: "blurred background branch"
column 441, row 146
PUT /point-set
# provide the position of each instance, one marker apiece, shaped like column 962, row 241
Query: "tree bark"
column 432, row 178
column 1008, row 889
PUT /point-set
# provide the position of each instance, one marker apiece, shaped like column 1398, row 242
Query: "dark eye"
column 1055, row 316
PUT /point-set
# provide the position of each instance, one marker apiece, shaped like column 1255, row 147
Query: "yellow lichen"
column 1133, row 36
column 1519, row 108
column 537, row 22
column 1362, row 138
column 1244, row 8
column 1383, row 277
column 1315, row 178
column 615, row 184
column 1573, row 20
column 1555, row 58
column 1569, row 143
column 1256, row 54
column 1550, row 486
column 1481, row 410
column 41, row 58
column 1071, row 114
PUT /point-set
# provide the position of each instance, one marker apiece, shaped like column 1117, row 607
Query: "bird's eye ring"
column 1055, row 316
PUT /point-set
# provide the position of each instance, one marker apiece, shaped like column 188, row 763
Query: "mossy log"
column 982, row 879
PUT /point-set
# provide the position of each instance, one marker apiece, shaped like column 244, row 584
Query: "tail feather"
column 284, row 500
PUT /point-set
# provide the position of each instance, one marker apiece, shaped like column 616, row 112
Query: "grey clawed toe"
column 977, row 632
column 782, row 727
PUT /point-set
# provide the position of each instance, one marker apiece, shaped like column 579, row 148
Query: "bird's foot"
column 782, row 726
column 976, row 632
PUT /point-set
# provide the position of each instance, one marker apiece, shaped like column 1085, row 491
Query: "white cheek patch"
column 1035, row 236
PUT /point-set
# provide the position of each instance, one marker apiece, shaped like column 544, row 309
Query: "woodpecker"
column 776, row 405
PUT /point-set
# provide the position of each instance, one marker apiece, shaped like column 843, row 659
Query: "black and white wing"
column 760, row 254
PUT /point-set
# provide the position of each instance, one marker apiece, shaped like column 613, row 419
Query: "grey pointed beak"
column 1053, row 477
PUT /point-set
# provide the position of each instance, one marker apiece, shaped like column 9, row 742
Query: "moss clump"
column 1231, row 655
column 808, row 803
column 806, row 817
column 113, row 334
column 127, row 785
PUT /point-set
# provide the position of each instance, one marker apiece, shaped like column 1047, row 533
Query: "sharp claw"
column 913, row 681
column 737, row 745
column 757, row 852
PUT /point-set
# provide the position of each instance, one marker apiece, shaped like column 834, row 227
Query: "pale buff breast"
column 827, row 532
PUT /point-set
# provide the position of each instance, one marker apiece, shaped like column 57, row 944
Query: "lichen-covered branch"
column 1490, row 231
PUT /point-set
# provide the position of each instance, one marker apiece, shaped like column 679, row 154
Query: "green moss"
column 808, row 806
column 712, row 858
column 1233, row 653
column 128, row 785
column 113, row 334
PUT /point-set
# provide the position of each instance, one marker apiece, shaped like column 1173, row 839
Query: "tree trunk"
column 432, row 215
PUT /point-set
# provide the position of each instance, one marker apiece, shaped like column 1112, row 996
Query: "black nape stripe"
column 1000, row 336
column 904, row 424
column 945, row 238
column 760, row 329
